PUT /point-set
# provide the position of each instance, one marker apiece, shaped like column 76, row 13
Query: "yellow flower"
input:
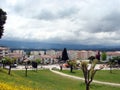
column 5, row 86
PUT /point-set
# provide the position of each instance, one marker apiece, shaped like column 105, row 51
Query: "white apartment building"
column 4, row 51
column 58, row 54
column 46, row 59
column 72, row 54
column 84, row 54
column 37, row 52
column 34, row 53
column 42, row 52
column 110, row 55
column 51, row 52
column 91, row 53
column 19, row 52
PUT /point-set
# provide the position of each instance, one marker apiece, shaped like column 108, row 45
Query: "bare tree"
column 89, row 72
column 26, row 62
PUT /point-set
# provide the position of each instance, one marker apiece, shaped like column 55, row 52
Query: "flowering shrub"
column 5, row 86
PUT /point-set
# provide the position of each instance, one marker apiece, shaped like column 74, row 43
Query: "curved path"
column 79, row 78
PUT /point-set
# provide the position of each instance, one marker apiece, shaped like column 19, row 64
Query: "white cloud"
column 63, row 21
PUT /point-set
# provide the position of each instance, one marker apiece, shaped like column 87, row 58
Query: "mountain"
column 43, row 45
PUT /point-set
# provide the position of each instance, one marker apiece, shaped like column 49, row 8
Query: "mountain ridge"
column 44, row 45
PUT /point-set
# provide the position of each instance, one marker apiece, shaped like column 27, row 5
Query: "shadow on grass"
column 113, row 72
column 94, row 86
column 73, row 72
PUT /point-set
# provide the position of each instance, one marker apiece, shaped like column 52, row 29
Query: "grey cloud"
column 18, row 9
column 112, row 22
column 52, row 15
column 44, row 15
column 94, row 22
column 37, row 10
column 68, row 12
column 109, row 23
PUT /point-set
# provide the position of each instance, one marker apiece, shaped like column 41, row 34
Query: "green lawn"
column 46, row 80
column 103, row 75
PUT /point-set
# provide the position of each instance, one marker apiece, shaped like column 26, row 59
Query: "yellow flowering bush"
column 5, row 86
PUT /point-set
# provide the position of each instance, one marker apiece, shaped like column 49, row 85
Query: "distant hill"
column 43, row 45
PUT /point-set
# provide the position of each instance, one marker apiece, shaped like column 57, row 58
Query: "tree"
column 9, row 61
column 89, row 72
column 98, row 55
column 111, row 63
column 35, row 63
column 91, row 58
column 28, row 53
column 61, row 67
column 64, row 55
column 104, row 56
column 26, row 62
column 3, row 18
column 72, row 64
column 3, row 62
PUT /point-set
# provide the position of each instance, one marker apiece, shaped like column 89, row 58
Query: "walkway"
column 79, row 78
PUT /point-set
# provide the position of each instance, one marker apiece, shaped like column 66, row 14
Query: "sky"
column 91, row 22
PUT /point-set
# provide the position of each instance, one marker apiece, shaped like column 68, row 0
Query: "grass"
column 46, row 80
column 102, row 75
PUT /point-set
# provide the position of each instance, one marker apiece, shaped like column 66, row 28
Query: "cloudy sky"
column 63, row 21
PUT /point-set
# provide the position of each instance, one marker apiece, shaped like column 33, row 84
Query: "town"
column 52, row 56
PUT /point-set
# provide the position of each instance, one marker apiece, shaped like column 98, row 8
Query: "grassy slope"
column 102, row 75
column 46, row 80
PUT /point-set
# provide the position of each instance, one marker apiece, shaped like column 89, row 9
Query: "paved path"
column 70, row 76
column 79, row 78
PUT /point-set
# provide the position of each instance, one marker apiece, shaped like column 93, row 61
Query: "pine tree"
column 64, row 55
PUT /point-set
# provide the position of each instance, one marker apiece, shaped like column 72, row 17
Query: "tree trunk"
column 26, row 72
column 87, row 86
column 9, row 70
column 60, row 67
column 71, row 68
column 110, row 68
column 3, row 65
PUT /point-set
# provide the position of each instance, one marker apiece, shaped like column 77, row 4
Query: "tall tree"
column 3, row 18
column 104, row 56
column 64, row 55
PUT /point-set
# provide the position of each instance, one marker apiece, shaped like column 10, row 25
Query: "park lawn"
column 102, row 75
column 46, row 80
